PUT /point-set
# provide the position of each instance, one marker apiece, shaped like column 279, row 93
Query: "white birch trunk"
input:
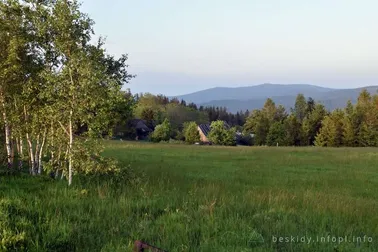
column 21, row 154
column 70, row 165
column 12, row 149
column 36, row 164
column 58, row 163
column 70, row 161
column 52, row 145
column 30, row 147
column 41, row 152
column 31, row 155
column 8, row 140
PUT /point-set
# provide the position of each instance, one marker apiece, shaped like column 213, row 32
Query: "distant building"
column 134, row 129
column 141, row 128
column 204, row 130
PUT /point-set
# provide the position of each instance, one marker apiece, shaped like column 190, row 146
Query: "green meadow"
column 201, row 198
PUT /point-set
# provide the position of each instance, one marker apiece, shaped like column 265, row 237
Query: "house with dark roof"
column 134, row 129
column 141, row 128
column 204, row 130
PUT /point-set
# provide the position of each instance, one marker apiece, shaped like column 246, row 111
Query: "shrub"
column 219, row 135
column 162, row 132
column 179, row 135
column 191, row 133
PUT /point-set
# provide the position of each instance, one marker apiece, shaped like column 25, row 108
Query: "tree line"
column 309, row 123
column 58, row 91
column 154, row 109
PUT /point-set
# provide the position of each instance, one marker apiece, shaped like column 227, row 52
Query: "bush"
column 219, row 135
column 162, row 132
column 191, row 133
column 179, row 135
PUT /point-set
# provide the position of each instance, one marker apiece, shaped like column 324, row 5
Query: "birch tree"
column 58, row 92
column 14, row 57
column 89, row 85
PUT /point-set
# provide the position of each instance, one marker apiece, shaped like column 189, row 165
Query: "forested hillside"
column 253, row 97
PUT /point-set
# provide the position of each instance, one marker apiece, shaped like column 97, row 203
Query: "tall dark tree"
column 300, row 107
column 310, row 106
column 293, row 131
column 312, row 124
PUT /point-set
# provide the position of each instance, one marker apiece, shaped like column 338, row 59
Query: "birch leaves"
column 56, row 89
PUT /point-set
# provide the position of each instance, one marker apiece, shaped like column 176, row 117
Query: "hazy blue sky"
column 178, row 46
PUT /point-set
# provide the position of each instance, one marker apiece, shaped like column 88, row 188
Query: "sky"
column 177, row 47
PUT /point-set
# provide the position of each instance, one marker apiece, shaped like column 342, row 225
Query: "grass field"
column 204, row 198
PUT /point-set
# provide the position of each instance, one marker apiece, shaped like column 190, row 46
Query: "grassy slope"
column 206, row 198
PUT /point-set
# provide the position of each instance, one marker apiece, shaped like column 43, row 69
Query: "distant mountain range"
column 254, row 97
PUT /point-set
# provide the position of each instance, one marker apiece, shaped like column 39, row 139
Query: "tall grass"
column 201, row 198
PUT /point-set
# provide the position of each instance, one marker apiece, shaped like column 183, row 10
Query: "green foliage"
column 88, row 159
column 309, row 123
column 219, row 135
column 57, row 88
column 293, row 131
column 331, row 133
column 325, row 137
column 258, row 124
column 162, row 132
column 311, row 104
column 312, row 123
column 154, row 109
column 191, row 133
column 260, row 121
column 300, row 107
column 349, row 137
column 148, row 115
column 269, row 110
column 280, row 114
column 276, row 134
column 368, row 135
column 230, row 139
column 12, row 236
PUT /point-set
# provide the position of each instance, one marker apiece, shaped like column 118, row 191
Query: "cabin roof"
column 205, row 128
